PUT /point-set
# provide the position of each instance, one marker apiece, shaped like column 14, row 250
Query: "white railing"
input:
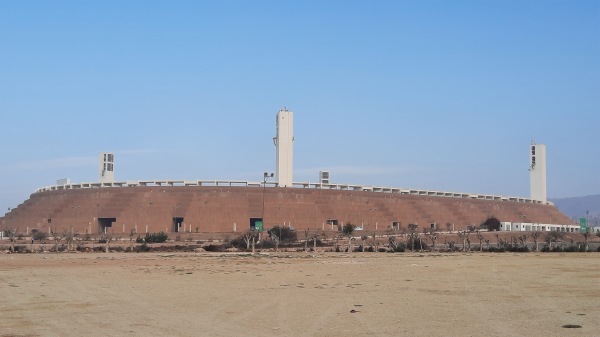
column 157, row 183
column 341, row 187
column 416, row 192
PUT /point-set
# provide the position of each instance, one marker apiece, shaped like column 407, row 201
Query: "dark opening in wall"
column 256, row 224
column 105, row 223
column 178, row 225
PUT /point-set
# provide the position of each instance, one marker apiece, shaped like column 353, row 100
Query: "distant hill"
column 577, row 207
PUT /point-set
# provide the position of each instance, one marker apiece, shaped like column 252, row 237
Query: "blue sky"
column 443, row 95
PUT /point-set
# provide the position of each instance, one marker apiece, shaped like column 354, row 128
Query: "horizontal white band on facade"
column 342, row 187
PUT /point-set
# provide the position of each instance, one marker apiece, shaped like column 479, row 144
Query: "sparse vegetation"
column 214, row 248
column 250, row 237
column 432, row 236
column 315, row 237
column 535, row 236
column 286, row 234
column 464, row 236
column 481, row 239
column 64, row 240
column 11, row 233
column 57, row 237
column 586, row 237
column 553, row 237
column 69, row 237
column 396, row 246
column 159, row 237
column 38, row 235
column 413, row 230
column 107, row 238
column 143, row 247
column 568, row 249
column 348, row 230
column 283, row 235
column 416, row 243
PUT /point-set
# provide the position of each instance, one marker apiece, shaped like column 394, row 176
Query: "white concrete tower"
column 284, row 144
column 106, row 168
column 537, row 172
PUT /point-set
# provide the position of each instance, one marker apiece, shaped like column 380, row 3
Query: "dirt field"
column 299, row 294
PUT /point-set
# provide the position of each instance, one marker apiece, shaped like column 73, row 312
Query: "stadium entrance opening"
column 256, row 224
column 178, row 225
column 105, row 223
column 332, row 223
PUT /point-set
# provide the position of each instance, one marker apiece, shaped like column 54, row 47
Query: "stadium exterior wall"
column 228, row 209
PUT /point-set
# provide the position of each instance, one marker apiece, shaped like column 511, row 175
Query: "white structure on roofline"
column 284, row 144
column 537, row 172
column 106, row 167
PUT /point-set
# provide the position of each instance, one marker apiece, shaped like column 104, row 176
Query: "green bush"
column 156, row 237
column 348, row 229
column 491, row 224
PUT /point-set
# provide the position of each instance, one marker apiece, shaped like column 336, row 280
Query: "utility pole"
column 266, row 176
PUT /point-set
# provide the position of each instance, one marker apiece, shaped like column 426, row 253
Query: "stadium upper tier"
column 341, row 187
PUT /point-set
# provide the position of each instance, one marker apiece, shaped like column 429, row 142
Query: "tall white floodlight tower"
column 106, row 168
column 284, row 144
column 537, row 172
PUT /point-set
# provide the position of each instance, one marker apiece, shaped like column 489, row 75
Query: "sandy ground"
column 300, row 294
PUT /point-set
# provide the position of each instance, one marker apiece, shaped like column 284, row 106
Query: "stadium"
column 217, row 208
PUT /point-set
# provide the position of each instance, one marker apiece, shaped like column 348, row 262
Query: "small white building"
column 536, row 227
column 505, row 226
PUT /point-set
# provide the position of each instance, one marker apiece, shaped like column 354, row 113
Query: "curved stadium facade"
column 229, row 207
